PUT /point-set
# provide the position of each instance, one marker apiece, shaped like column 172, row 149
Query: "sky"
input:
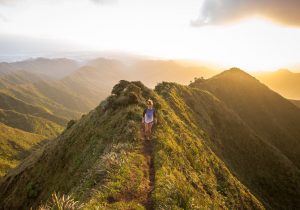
column 253, row 35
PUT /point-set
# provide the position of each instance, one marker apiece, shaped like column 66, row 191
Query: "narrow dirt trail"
column 148, row 152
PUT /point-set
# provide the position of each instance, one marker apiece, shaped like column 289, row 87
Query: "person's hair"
column 149, row 102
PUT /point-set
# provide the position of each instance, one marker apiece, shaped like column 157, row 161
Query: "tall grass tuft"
column 61, row 202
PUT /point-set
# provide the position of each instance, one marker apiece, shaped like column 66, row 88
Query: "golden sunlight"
column 253, row 44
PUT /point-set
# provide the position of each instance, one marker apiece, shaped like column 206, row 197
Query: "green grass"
column 9, row 102
column 188, row 174
column 100, row 161
column 30, row 123
column 206, row 154
column 15, row 145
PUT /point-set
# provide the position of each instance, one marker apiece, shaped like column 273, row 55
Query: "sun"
column 259, row 44
column 253, row 44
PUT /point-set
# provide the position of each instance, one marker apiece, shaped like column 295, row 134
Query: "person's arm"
column 143, row 117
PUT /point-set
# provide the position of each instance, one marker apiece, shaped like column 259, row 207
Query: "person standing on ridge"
column 148, row 119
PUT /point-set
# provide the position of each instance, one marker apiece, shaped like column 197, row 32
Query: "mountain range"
column 54, row 68
column 41, row 95
column 227, row 142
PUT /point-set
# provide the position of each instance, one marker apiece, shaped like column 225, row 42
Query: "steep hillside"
column 15, row 145
column 30, row 101
column 53, row 96
column 104, row 163
column 30, row 123
column 283, row 82
column 8, row 102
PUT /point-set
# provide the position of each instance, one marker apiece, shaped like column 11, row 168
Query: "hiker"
column 148, row 119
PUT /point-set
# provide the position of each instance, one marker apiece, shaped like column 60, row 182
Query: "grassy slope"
column 188, row 174
column 101, row 160
column 8, row 102
column 254, row 162
column 14, row 146
column 49, row 95
column 31, row 81
column 30, row 123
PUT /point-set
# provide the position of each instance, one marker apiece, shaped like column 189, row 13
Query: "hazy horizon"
column 127, row 58
column 254, row 36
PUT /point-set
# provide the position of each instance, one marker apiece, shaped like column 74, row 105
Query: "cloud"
column 105, row 2
column 7, row 2
column 101, row 2
column 224, row 11
column 3, row 18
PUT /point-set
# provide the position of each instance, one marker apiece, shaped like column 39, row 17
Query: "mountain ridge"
column 186, row 185
column 205, row 152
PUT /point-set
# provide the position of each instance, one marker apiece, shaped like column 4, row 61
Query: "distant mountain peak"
column 284, row 71
column 234, row 74
column 235, row 71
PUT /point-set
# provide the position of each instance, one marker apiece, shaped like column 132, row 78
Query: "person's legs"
column 146, row 130
column 150, row 128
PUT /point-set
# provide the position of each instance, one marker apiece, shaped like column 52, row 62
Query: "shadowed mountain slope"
column 296, row 102
column 272, row 117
